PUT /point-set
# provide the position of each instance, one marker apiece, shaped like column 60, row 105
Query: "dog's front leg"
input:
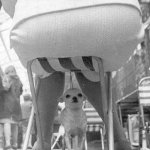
column 82, row 144
column 68, row 142
column 75, row 143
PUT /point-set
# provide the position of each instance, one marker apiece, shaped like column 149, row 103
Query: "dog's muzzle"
column 75, row 99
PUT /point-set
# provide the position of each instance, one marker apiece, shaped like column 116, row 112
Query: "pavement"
column 96, row 145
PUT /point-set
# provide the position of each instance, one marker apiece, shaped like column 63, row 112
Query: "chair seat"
column 59, row 29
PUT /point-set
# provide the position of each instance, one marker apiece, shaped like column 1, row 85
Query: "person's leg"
column 93, row 92
column 1, row 136
column 50, row 89
column 14, row 132
column 7, row 134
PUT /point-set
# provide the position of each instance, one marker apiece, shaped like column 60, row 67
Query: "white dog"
column 73, row 118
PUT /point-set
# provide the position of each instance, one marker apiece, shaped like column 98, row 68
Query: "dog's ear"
column 61, row 99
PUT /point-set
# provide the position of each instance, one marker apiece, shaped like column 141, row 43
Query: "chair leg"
column 110, row 114
column 103, row 88
column 86, row 145
column 102, row 139
column 27, row 136
column 33, row 92
column 56, row 140
column 107, row 102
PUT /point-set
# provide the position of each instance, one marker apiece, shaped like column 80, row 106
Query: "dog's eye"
column 67, row 96
column 79, row 95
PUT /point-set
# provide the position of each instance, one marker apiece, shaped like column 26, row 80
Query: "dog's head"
column 73, row 98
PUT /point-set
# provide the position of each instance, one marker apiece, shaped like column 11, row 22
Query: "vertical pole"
column 29, row 127
column 147, row 43
column 102, row 138
column 103, row 88
column 32, row 88
column 142, row 115
column 86, row 147
column 110, row 113
column 108, row 118
column 144, row 144
column 120, row 114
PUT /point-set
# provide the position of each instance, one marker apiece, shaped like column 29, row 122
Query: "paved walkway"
column 96, row 145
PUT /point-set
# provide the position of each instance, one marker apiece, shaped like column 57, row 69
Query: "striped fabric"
column 51, row 65
column 144, row 92
column 94, row 122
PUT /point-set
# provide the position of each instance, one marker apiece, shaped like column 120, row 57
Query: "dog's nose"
column 75, row 100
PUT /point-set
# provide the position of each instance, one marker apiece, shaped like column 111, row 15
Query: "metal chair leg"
column 33, row 92
column 103, row 88
column 102, row 138
column 110, row 114
column 107, row 107
column 27, row 136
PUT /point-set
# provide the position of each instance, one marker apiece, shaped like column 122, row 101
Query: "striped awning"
column 144, row 91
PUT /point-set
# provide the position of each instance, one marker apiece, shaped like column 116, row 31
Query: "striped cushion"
column 144, row 91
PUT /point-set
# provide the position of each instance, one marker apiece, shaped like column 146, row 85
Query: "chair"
column 144, row 101
column 95, row 124
column 56, row 137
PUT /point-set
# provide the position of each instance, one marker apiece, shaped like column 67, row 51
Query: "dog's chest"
column 73, row 120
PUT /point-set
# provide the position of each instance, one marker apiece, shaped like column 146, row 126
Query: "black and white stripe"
column 144, row 92
column 87, row 65
column 67, row 64
column 94, row 122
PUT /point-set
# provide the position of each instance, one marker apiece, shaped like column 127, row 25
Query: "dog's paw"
column 37, row 146
column 122, row 145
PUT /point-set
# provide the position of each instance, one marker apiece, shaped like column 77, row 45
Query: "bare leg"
column 7, row 134
column 14, row 135
column 75, row 143
column 95, row 99
column 82, row 142
column 50, row 89
column 1, row 137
